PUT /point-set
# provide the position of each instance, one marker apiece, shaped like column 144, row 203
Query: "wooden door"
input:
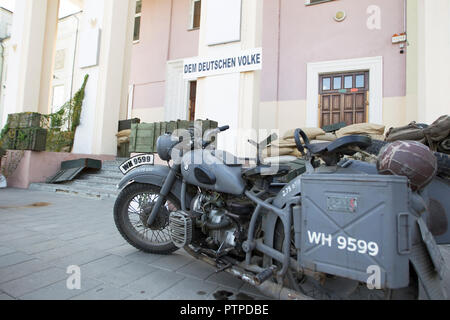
column 343, row 97
column 192, row 99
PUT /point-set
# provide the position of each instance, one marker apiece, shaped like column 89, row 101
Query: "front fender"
column 154, row 175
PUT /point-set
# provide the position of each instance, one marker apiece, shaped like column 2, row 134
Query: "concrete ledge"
column 37, row 167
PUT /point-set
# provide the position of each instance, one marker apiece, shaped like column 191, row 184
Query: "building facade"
column 308, row 63
column 5, row 32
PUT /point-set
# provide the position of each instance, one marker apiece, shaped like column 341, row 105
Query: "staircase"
column 94, row 184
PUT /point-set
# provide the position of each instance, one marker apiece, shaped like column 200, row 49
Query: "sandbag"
column 124, row 133
column 311, row 133
column 122, row 140
column 361, row 128
column 275, row 151
column 439, row 130
column 377, row 137
column 284, row 143
column 327, row 137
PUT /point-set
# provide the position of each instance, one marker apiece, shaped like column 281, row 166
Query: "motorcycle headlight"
column 164, row 146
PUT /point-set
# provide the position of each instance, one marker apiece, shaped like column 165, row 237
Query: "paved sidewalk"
column 38, row 244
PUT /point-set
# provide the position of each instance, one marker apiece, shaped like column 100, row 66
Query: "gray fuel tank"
column 201, row 168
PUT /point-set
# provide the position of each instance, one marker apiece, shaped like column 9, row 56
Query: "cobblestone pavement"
column 38, row 243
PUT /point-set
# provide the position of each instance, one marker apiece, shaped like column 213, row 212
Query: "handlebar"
column 211, row 134
column 224, row 128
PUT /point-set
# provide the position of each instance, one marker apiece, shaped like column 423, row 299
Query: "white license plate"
column 137, row 161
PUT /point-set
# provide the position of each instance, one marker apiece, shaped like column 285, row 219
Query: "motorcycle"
column 339, row 231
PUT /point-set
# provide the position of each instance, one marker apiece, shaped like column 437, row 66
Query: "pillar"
column 107, row 88
column 30, row 68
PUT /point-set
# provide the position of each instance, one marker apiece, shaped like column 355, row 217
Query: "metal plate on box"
column 137, row 161
column 342, row 204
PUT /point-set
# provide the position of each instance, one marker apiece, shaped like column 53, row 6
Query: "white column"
column 30, row 66
column 107, row 88
column 231, row 99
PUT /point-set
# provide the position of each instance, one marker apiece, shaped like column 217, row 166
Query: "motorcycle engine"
column 220, row 232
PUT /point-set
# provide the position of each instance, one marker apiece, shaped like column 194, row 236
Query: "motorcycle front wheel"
column 131, row 210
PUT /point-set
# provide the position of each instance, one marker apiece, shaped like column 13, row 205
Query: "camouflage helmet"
column 411, row 159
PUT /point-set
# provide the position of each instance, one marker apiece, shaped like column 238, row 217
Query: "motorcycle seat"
column 342, row 145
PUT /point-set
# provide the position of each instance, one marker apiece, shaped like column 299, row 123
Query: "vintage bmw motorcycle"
column 339, row 231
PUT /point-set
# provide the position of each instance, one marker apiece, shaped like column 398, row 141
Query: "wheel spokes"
column 138, row 212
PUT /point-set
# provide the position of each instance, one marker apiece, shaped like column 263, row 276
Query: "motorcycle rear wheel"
column 131, row 211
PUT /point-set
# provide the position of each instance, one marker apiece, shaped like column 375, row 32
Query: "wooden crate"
column 142, row 138
column 126, row 124
column 157, row 133
column 59, row 141
column 171, row 127
column 34, row 139
column 123, row 150
column 24, row 120
column 183, row 124
column 13, row 120
column 163, row 128
column 9, row 140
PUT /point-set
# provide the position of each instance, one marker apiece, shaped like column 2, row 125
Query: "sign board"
column 248, row 60
column 223, row 21
column 398, row 38
column 90, row 48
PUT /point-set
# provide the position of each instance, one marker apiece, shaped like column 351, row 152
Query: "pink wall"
column 310, row 34
column 164, row 36
column 37, row 167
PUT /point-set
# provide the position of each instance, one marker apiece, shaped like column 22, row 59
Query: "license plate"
column 137, row 161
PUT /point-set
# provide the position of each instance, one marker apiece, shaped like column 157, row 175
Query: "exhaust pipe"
column 268, row 288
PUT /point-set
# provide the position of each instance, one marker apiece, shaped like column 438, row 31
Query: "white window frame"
column 138, row 15
column 191, row 18
column 375, row 67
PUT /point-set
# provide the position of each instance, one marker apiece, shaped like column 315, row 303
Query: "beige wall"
column 286, row 115
column 149, row 115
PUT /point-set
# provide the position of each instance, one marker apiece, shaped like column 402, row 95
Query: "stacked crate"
column 25, row 132
column 145, row 135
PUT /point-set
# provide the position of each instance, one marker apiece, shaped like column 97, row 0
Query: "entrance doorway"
column 192, row 99
column 343, row 97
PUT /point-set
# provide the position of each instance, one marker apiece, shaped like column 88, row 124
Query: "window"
column 357, row 81
column 60, row 59
column 58, row 98
column 360, row 81
column 348, row 82
column 137, row 21
column 326, row 84
column 196, row 12
column 337, row 83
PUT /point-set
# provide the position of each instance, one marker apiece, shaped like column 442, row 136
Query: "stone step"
column 108, row 174
column 109, row 187
column 76, row 190
column 99, row 178
column 100, row 184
